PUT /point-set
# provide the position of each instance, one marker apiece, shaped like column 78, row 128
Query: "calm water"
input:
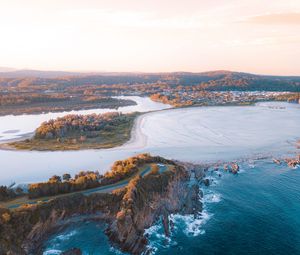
column 254, row 212
column 194, row 134
column 33, row 166
column 15, row 126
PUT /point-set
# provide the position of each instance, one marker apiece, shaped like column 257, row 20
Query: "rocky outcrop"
column 277, row 161
column 74, row 251
column 232, row 167
column 206, row 182
column 293, row 162
column 147, row 200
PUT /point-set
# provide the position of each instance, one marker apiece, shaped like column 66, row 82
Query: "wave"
column 52, row 252
column 64, row 237
column 191, row 225
column 212, row 198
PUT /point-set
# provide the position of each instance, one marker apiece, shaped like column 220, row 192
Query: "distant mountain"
column 6, row 69
column 13, row 73
column 214, row 80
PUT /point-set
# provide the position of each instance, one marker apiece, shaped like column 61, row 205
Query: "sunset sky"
column 258, row 36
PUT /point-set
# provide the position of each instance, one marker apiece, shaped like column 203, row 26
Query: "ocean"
column 254, row 212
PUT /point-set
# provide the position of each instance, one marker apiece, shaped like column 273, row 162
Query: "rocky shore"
column 148, row 200
column 128, row 211
column 293, row 162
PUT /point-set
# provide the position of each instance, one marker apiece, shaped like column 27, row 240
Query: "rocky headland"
column 127, row 211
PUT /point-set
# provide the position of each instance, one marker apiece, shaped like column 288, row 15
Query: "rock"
column 73, row 251
column 206, row 182
column 128, row 212
column 234, row 168
column 226, row 167
column 276, row 161
column 166, row 224
column 167, row 193
column 199, row 173
column 192, row 205
column 293, row 162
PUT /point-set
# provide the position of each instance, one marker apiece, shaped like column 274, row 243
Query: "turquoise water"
column 254, row 212
column 87, row 236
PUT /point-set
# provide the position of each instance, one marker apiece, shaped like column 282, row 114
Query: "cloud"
column 262, row 41
column 141, row 19
column 291, row 18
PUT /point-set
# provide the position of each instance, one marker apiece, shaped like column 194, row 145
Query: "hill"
column 214, row 80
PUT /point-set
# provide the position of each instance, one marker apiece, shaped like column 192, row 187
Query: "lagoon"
column 194, row 134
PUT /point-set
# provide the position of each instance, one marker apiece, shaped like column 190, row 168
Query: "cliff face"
column 146, row 200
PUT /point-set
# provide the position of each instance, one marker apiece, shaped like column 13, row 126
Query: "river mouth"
column 198, row 134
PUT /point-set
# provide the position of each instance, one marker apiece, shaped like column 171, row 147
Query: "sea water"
column 254, row 212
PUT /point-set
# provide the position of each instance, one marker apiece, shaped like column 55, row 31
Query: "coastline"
column 4, row 144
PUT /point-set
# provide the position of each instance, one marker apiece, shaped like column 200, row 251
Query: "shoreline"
column 4, row 144
column 73, row 108
column 102, row 158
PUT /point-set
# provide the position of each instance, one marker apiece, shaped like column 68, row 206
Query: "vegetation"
column 22, row 94
column 23, row 230
column 195, row 95
column 55, row 185
column 175, row 101
column 7, row 193
column 121, row 170
column 32, row 102
column 73, row 132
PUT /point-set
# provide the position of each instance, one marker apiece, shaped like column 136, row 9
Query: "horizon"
column 113, row 36
column 95, row 72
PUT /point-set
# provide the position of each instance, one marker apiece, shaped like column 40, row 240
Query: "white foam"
column 152, row 230
column 158, row 239
column 212, row 198
column 115, row 251
column 64, row 237
column 52, row 252
column 192, row 226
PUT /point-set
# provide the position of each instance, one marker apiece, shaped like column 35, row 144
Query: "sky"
column 257, row 36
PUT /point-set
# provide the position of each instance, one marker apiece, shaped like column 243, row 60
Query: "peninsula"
column 75, row 132
column 128, row 209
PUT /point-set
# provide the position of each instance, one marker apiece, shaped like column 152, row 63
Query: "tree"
column 66, row 177
column 55, row 178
